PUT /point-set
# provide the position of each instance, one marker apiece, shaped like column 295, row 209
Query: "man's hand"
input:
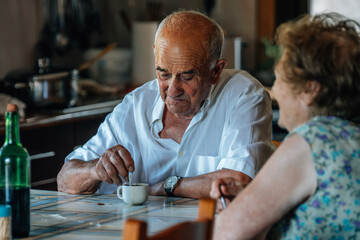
column 84, row 177
column 114, row 162
column 226, row 187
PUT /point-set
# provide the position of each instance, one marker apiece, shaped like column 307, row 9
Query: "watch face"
column 171, row 181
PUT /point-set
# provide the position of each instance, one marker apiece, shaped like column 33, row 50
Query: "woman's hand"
column 226, row 187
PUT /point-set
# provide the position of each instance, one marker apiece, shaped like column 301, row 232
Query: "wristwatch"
column 170, row 184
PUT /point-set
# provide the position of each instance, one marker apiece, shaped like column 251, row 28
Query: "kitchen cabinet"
column 49, row 146
column 49, row 139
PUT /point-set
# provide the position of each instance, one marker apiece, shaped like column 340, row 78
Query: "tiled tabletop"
column 56, row 215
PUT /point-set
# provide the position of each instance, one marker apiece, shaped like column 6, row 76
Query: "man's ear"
column 216, row 71
column 311, row 91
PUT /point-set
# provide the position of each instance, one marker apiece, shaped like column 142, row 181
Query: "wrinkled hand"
column 114, row 162
column 228, row 187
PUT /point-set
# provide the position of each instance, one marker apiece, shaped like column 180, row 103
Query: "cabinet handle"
column 42, row 155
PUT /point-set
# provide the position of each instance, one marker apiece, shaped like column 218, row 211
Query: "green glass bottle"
column 15, row 175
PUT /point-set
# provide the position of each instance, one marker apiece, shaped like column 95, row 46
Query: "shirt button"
column 181, row 153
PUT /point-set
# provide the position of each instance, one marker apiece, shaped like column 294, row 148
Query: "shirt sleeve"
column 109, row 134
column 96, row 146
column 246, row 141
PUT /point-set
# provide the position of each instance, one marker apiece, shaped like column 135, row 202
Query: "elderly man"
column 195, row 123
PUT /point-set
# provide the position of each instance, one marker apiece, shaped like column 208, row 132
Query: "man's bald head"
column 191, row 25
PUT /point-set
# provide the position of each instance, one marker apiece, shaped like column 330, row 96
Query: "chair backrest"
column 276, row 143
column 201, row 229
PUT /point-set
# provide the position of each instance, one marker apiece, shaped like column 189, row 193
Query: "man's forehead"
column 190, row 71
column 191, row 35
column 177, row 66
column 176, row 51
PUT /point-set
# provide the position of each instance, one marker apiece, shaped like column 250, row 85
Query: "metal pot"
column 45, row 88
column 54, row 89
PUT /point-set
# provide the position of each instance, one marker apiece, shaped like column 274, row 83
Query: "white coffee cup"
column 135, row 194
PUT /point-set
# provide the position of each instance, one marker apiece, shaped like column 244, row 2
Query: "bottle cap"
column 5, row 210
column 11, row 107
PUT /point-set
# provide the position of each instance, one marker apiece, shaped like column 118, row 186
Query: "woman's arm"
column 287, row 179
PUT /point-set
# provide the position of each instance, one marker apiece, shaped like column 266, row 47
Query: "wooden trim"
column 266, row 18
column 42, row 182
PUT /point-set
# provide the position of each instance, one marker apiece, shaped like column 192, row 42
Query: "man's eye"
column 164, row 76
column 187, row 77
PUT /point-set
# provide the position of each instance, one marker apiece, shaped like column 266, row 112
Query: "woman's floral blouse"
column 333, row 211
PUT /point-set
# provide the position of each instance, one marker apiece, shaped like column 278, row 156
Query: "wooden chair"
column 276, row 143
column 201, row 229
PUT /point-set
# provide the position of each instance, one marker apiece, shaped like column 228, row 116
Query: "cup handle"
column 118, row 192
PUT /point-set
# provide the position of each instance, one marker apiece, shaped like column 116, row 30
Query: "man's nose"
column 175, row 87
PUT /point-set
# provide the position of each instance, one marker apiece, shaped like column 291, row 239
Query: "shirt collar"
column 159, row 105
column 158, row 109
column 208, row 99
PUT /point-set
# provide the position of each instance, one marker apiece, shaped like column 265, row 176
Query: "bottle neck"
column 12, row 128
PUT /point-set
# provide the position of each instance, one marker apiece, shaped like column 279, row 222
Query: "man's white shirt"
column 232, row 130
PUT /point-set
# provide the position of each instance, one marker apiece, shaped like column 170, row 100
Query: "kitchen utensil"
column 223, row 201
column 57, row 88
column 222, row 197
column 60, row 89
column 97, row 57
column 113, row 69
column 130, row 178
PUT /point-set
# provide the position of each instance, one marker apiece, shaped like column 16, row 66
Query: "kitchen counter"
column 44, row 118
column 49, row 136
column 70, row 114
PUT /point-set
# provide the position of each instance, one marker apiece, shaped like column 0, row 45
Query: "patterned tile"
column 56, row 215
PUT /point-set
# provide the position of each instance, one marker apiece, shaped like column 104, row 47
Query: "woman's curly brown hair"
column 324, row 48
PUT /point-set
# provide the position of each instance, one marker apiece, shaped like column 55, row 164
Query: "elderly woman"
column 310, row 186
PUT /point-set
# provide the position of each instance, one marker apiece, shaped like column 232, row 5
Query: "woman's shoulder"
column 328, row 130
column 326, row 124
